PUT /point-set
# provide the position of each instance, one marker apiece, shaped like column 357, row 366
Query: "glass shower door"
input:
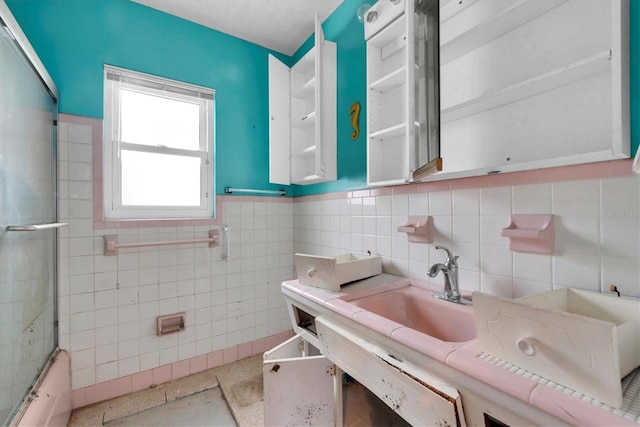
column 28, row 332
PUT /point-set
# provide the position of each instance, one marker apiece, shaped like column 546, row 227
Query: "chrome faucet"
column 449, row 269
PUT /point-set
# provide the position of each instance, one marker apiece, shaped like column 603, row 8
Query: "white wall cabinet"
column 524, row 84
column 302, row 116
column 533, row 84
column 390, row 88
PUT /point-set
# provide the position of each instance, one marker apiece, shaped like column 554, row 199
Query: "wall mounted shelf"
column 512, row 17
column 580, row 70
column 418, row 229
column 530, row 233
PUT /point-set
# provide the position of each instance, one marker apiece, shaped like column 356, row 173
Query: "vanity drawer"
column 415, row 394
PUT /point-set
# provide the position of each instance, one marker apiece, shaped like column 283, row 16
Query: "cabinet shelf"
column 580, row 70
column 512, row 17
column 306, row 121
column 389, row 132
column 390, row 81
column 309, row 151
column 307, row 89
column 309, row 179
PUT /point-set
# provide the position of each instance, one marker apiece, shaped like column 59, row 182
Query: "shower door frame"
column 12, row 28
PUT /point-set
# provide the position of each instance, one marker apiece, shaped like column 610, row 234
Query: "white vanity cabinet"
column 303, row 381
column 390, row 91
column 418, row 396
column 298, row 385
column 302, row 116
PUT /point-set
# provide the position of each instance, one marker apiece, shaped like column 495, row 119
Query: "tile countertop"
column 465, row 357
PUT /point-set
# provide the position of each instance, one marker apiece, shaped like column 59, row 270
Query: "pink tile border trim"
column 162, row 374
column 600, row 170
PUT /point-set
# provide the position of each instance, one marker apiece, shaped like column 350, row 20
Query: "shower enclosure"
column 28, row 212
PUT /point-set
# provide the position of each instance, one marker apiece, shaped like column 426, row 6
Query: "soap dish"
column 530, row 233
column 418, row 229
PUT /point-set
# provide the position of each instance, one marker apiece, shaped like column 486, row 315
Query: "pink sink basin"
column 416, row 308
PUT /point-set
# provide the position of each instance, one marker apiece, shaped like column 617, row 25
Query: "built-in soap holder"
column 170, row 323
column 530, row 233
column 418, row 229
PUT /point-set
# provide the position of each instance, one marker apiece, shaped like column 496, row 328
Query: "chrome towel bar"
column 36, row 227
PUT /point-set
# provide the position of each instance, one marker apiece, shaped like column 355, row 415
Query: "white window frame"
column 114, row 80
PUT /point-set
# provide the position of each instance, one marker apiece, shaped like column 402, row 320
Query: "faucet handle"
column 451, row 259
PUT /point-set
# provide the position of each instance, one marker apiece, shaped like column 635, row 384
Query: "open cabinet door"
column 279, row 123
column 319, row 101
column 298, row 388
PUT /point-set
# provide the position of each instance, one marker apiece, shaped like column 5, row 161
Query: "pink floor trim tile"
column 244, row 351
column 180, row 369
column 162, row 374
column 214, row 359
column 78, row 398
column 97, row 393
column 259, row 346
column 141, row 380
column 273, row 341
column 198, row 364
column 230, row 355
column 120, row 386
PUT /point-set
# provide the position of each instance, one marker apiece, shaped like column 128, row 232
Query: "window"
column 158, row 147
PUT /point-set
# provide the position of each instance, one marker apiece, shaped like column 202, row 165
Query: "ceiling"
column 280, row 25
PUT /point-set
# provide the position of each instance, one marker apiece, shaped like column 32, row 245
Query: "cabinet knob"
column 273, row 118
column 372, row 15
column 312, row 272
column 527, row 346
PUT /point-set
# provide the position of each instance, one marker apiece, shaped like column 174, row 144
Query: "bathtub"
column 50, row 400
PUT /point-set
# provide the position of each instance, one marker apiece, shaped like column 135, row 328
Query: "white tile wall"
column 597, row 234
column 108, row 305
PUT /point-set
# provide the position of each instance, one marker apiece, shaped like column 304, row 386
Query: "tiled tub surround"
column 234, row 308
column 108, row 304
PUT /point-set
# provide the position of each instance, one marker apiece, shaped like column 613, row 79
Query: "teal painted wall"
column 343, row 28
column 75, row 37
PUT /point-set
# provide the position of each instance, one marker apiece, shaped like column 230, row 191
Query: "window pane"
column 150, row 179
column 156, row 120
